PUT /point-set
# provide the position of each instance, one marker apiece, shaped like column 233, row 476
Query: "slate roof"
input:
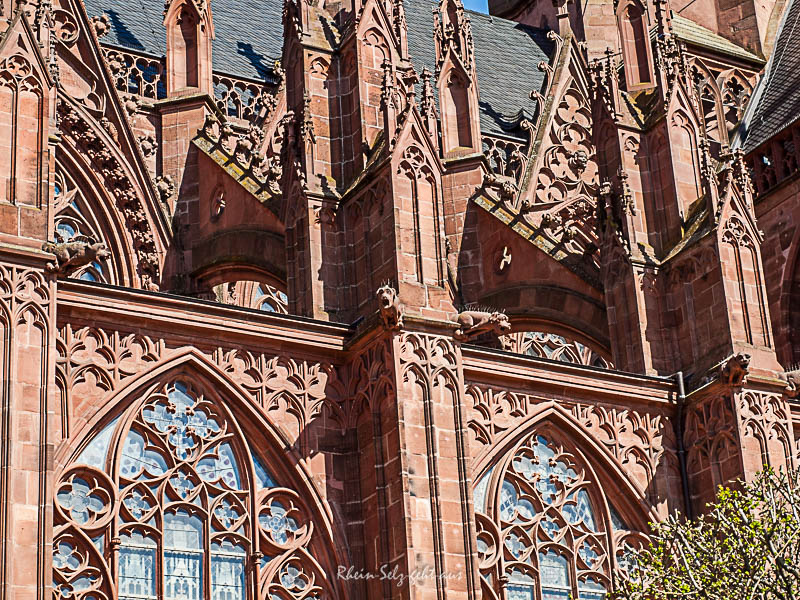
column 249, row 38
column 776, row 101
column 506, row 58
column 697, row 35
column 249, row 33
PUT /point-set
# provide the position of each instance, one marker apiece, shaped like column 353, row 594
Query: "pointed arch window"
column 75, row 221
column 636, row 49
column 188, row 48
column 169, row 501
column 458, row 130
column 253, row 294
column 542, row 529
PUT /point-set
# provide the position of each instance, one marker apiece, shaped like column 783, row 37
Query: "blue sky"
column 480, row 5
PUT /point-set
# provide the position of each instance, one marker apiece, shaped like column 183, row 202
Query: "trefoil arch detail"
column 169, row 500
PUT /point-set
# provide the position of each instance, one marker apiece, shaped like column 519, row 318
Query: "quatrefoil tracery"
column 178, row 468
column 543, row 531
column 85, row 498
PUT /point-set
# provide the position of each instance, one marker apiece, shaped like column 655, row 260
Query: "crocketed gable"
column 249, row 38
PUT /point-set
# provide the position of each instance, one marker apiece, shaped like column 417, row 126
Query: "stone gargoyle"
column 391, row 309
column 473, row 323
column 733, row 370
column 792, row 385
column 73, row 254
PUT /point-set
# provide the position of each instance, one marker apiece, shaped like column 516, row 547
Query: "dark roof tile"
column 507, row 56
column 249, row 38
column 248, row 33
column 776, row 101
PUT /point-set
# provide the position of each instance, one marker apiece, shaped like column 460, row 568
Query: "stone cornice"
column 565, row 379
column 32, row 256
column 194, row 320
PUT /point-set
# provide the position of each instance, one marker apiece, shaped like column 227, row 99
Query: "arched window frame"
column 190, row 31
column 637, row 50
column 267, row 296
column 556, row 344
column 76, row 219
column 615, row 535
column 279, row 563
column 416, row 168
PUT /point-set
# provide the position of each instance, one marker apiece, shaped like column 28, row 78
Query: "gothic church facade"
column 366, row 299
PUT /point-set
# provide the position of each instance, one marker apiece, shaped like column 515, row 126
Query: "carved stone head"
column 579, row 161
column 99, row 250
column 387, row 296
column 501, row 322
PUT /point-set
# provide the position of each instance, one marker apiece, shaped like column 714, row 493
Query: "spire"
column 671, row 62
column 452, row 30
column 400, row 26
column 428, row 105
column 563, row 27
column 387, row 100
column 190, row 30
column 457, row 80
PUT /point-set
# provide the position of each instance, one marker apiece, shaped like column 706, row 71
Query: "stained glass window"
column 554, row 574
column 183, row 556
column 590, row 589
column 76, row 221
column 537, row 503
column 227, row 571
column 166, row 497
column 137, row 567
column 521, row 586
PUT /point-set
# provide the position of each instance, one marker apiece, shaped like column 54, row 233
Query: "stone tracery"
column 722, row 93
column 170, row 501
column 555, row 347
column 252, row 294
column 87, row 141
column 567, row 181
column 543, row 530
column 74, row 220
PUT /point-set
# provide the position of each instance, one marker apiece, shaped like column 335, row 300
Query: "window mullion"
column 207, row 553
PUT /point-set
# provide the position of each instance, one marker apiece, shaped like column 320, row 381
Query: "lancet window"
column 168, row 501
column 74, row 221
column 635, row 45
column 544, row 532
column 550, row 345
column 253, row 294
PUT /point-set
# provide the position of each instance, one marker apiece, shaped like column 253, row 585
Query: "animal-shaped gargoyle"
column 391, row 309
column 734, row 369
column 72, row 254
column 474, row 323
